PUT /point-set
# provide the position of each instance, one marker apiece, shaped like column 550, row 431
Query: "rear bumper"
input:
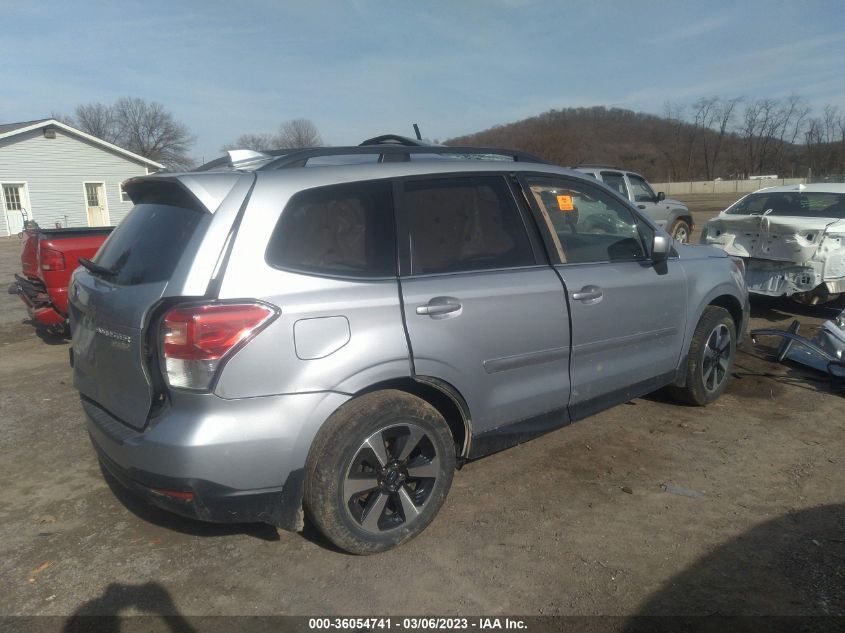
column 38, row 301
column 196, row 498
column 227, row 461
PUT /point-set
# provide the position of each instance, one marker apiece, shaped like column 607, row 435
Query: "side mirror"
column 661, row 196
column 660, row 247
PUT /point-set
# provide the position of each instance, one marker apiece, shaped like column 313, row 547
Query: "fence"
column 722, row 186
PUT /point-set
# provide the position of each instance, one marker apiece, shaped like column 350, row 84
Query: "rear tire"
column 379, row 471
column 710, row 358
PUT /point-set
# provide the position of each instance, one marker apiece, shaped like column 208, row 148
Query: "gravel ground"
column 576, row 522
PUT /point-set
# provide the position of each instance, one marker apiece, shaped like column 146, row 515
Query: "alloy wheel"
column 391, row 478
column 681, row 235
column 717, row 358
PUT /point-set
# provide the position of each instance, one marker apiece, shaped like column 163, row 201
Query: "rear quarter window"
column 339, row 231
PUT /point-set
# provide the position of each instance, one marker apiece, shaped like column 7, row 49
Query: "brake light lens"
column 52, row 260
column 197, row 340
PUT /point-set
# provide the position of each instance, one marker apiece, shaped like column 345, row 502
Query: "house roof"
column 12, row 129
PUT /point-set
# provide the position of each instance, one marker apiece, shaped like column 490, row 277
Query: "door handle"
column 641, row 206
column 439, row 305
column 590, row 294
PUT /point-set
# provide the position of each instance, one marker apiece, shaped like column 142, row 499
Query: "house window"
column 92, row 194
column 12, row 194
column 124, row 197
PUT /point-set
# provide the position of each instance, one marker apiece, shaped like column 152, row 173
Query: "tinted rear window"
column 341, row 230
column 147, row 245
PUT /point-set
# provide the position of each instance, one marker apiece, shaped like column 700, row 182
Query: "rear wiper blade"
column 96, row 268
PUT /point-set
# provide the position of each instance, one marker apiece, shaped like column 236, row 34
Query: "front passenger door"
column 628, row 315
column 646, row 200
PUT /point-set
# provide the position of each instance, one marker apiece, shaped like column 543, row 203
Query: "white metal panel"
column 55, row 169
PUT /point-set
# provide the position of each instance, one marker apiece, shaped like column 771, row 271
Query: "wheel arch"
column 733, row 306
column 442, row 396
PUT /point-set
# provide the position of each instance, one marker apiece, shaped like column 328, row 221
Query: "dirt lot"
column 575, row 522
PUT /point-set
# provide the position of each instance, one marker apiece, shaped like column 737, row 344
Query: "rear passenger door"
column 627, row 313
column 483, row 310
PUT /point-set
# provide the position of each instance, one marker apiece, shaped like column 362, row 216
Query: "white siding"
column 54, row 170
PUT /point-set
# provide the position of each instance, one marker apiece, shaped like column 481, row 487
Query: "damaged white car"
column 791, row 238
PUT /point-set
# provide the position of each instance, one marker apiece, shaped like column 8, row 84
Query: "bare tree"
column 293, row 134
column 148, row 129
column 672, row 147
column 257, row 142
column 713, row 114
column 98, row 119
column 298, row 133
column 142, row 127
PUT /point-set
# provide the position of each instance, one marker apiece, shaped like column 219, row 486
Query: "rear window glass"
column 797, row 204
column 147, row 245
column 616, row 182
column 341, row 230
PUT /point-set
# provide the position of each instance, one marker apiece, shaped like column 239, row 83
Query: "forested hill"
column 724, row 143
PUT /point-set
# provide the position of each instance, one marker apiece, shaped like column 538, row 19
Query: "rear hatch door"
column 110, row 302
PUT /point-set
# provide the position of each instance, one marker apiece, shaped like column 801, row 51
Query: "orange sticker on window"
column 564, row 203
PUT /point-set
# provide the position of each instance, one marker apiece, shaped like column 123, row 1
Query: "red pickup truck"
column 48, row 258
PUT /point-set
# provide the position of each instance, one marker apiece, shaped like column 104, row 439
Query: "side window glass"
column 615, row 181
column 641, row 189
column 464, row 224
column 587, row 224
column 341, row 230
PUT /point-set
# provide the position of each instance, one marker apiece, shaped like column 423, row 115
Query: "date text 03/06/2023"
column 415, row 624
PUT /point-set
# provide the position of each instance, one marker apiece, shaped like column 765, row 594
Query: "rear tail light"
column 52, row 260
column 197, row 340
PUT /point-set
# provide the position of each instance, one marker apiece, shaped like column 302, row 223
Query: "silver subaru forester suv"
column 329, row 333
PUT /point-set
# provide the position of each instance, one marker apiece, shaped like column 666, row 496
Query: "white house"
column 55, row 174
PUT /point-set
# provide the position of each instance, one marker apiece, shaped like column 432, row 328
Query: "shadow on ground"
column 149, row 599
column 777, row 309
column 792, row 566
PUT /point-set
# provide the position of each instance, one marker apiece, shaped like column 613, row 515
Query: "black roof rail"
column 388, row 148
column 389, row 152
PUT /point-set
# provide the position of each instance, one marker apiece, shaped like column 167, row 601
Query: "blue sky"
column 361, row 68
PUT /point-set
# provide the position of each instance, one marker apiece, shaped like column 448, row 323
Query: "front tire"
column 379, row 471
column 681, row 231
column 710, row 358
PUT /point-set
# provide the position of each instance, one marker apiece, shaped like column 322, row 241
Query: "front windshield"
column 793, row 203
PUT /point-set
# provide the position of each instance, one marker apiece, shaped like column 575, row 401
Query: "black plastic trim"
column 581, row 410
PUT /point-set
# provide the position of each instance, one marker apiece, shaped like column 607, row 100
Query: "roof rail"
column 387, row 147
column 596, row 166
column 391, row 152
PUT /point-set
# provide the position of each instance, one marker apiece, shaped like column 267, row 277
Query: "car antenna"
column 417, row 131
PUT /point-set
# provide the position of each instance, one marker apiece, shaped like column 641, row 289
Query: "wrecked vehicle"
column 824, row 353
column 792, row 239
